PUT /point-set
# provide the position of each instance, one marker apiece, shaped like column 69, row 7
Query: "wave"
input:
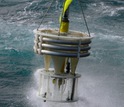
column 30, row 10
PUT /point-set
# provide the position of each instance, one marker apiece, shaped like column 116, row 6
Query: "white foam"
column 96, row 89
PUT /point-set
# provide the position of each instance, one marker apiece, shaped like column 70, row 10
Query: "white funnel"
column 59, row 64
column 47, row 59
column 74, row 62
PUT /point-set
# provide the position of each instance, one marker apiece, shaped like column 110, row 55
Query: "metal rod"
column 73, row 89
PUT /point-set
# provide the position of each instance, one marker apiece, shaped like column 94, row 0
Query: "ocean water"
column 102, row 81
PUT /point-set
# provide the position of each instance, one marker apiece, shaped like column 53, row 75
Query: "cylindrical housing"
column 58, row 88
column 64, row 25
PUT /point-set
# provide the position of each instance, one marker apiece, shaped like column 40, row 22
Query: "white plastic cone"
column 74, row 62
column 59, row 64
column 47, row 59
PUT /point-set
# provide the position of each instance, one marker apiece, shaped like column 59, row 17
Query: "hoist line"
column 79, row 2
column 45, row 14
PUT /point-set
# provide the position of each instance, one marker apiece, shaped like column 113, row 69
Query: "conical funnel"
column 47, row 59
column 74, row 62
column 59, row 64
